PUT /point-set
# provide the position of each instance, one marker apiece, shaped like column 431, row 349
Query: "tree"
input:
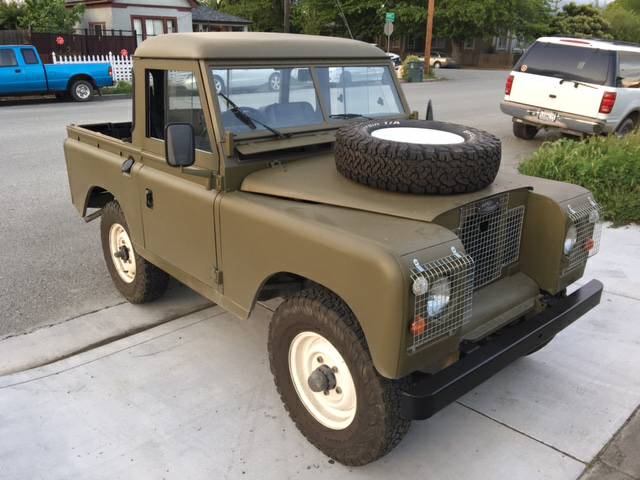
column 10, row 12
column 624, row 18
column 266, row 15
column 581, row 21
column 50, row 16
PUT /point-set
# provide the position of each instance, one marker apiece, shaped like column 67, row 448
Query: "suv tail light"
column 608, row 101
column 507, row 89
column 111, row 71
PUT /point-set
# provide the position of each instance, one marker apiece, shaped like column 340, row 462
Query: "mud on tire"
column 377, row 426
column 149, row 282
column 430, row 167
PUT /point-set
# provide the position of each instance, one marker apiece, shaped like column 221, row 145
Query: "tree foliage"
column 10, row 12
column 49, row 16
column 266, row 15
column 624, row 18
column 581, row 21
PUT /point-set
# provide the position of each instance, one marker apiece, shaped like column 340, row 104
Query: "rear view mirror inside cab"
column 179, row 144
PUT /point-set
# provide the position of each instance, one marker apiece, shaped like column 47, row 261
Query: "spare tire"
column 415, row 156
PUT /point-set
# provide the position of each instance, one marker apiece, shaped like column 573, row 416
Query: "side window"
column 629, row 70
column 29, row 56
column 172, row 97
column 7, row 58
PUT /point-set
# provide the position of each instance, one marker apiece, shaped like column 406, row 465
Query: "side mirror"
column 179, row 144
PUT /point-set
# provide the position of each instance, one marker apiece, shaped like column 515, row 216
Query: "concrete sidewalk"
column 194, row 398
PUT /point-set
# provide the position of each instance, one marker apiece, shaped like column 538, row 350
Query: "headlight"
column 439, row 297
column 420, row 286
column 570, row 240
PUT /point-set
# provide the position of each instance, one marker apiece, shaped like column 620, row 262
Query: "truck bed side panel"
column 58, row 75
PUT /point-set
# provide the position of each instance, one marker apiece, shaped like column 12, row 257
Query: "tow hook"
column 322, row 379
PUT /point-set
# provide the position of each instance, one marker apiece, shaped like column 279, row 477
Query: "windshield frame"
column 327, row 123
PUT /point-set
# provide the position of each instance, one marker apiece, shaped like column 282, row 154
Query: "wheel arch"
column 97, row 197
column 81, row 76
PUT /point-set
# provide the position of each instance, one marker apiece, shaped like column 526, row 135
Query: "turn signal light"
column 507, row 89
column 419, row 326
column 608, row 101
column 111, row 71
column 589, row 244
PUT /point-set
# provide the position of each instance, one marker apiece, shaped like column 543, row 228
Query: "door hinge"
column 217, row 276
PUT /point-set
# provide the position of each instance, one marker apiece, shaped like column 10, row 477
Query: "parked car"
column 405, row 280
column 576, row 86
column 395, row 59
column 440, row 60
column 246, row 79
column 23, row 73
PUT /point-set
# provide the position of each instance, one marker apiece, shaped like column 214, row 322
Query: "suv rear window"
column 583, row 64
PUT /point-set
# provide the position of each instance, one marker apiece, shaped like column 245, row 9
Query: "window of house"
column 172, row 97
column 7, row 58
column 469, row 44
column 151, row 26
column 29, row 56
column 629, row 75
column 502, row 43
column 97, row 28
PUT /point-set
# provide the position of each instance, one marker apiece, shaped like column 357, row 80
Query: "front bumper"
column 425, row 397
column 565, row 122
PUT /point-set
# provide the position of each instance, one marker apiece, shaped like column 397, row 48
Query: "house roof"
column 255, row 45
column 192, row 3
column 202, row 13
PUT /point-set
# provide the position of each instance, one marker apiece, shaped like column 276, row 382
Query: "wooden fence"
column 121, row 65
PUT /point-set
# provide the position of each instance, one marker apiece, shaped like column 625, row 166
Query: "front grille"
column 586, row 218
column 458, row 270
column 490, row 232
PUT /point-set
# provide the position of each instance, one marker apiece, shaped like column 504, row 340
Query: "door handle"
column 17, row 70
column 149, row 196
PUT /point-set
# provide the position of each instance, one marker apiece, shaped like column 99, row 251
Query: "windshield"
column 259, row 99
column 583, row 64
column 279, row 98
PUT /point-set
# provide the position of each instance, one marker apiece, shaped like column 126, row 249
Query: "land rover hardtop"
column 411, row 269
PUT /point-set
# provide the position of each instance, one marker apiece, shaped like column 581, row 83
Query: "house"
column 148, row 18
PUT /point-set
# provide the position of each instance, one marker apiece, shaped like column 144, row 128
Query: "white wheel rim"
column 275, row 82
column 120, row 242
column 218, row 85
column 421, row 136
column 337, row 408
column 82, row 91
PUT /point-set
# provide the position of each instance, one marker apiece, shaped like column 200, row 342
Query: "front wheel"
column 138, row 280
column 326, row 379
column 81, row 91
column 524, row 131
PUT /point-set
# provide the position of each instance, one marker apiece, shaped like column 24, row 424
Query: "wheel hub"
column 322, row 379
column 122, row 253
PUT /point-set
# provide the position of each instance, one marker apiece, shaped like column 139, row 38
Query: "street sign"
column 388, row 29
column 390, row 17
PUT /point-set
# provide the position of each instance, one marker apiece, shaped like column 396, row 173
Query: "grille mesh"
column 490, row 233
column 586, row 218
column 458, row 270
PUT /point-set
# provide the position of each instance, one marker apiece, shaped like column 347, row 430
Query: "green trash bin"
column 416, row 72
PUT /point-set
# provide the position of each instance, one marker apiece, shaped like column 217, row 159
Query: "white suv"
column 576, row 86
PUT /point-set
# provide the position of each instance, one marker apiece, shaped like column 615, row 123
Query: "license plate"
column 547, row 116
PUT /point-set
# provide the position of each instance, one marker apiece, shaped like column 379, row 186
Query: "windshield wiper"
column 576, row 83
column 349, row 115
column 250, row 121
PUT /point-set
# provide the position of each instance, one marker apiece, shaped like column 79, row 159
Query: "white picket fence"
column 121, row 65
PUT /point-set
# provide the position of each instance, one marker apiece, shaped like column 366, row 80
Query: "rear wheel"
column 137, row 280
column 81, row 90
column 326, row 379
column 524, row 131
column 437, row 65
column 627, row 126
column 274, row 82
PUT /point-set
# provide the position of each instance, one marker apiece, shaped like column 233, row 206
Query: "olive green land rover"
column 261, row 166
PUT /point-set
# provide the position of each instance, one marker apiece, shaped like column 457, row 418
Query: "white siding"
column 122, row 16
column 97, row 15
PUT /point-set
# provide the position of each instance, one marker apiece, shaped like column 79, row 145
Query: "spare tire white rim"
column 335, row 408
column 122, row 255
column 420, row 136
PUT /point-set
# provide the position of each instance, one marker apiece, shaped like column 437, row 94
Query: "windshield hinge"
column 217, row 276
column 218, row 181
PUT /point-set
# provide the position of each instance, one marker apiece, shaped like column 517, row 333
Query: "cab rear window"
column 568, row 62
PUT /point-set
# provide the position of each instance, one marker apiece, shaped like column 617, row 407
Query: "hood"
column 317, row 180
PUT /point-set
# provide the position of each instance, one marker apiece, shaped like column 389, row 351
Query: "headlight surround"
column 570, row 239
column 420, row 286
column 439, row 297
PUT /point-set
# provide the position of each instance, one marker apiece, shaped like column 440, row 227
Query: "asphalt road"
column 51, row 265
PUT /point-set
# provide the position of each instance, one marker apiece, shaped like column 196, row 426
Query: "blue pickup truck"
column 23, row 73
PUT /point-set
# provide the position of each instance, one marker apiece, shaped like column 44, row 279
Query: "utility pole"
column 431, row 7
column 287, row 15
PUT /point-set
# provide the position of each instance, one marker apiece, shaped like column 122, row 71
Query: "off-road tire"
column 378, row 425
column 74, row 90
column 150, row 282
column 524, row 131
column 418, row 168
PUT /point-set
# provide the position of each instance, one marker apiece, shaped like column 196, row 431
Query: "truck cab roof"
column 255, row 45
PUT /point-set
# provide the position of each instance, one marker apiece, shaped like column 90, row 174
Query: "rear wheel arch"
column 81, row 76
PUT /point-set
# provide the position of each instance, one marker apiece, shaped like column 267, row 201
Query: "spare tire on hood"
column 423, row 157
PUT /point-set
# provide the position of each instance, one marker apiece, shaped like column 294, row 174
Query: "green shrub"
column 608, row 166
column 122, row 87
